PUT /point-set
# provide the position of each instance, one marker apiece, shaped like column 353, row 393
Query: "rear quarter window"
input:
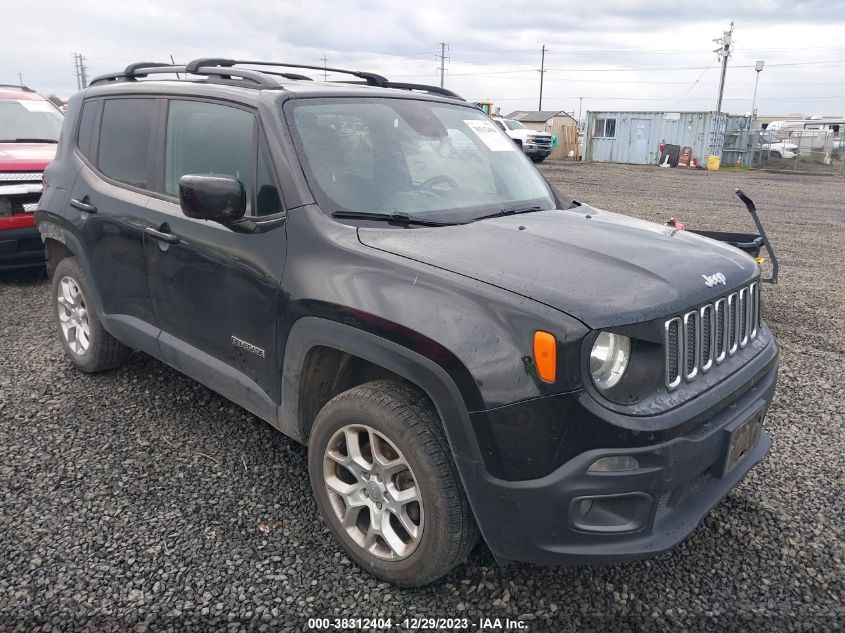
column 125, row 136
column 85, row 136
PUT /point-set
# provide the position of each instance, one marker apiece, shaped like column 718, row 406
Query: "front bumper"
column 679, row 481
column 21, row 248
column 536, row 150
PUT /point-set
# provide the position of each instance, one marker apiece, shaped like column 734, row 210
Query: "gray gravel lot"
column 138, row 499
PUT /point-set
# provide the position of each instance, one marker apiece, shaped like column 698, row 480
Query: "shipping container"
column 636, row 137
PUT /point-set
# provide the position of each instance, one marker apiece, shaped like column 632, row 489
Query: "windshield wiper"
column 29, row 140
column 510, row 211
column 390, row 218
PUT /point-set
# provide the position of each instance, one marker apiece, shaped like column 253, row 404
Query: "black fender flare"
column 309, row 332
column 51, row 228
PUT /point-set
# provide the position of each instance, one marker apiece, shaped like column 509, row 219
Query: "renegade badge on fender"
column 375, row 269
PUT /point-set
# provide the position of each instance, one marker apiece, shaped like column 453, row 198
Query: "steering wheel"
column 442, row 179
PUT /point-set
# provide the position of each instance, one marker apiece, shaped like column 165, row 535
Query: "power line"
column 621, row 69
column 596, row 97
column 628, row 51
column 697, row 80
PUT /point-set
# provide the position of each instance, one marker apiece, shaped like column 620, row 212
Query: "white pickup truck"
column 774, row 146
column 536, row 145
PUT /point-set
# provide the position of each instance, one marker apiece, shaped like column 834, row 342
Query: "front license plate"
column 743, row 439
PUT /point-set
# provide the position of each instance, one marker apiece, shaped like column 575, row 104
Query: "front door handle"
column 83, row 205
column 162, row 235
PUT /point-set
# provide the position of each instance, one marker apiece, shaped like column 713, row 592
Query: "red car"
column 29, row 133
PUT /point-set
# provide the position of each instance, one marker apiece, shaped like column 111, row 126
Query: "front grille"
column 21, row 176
column 674, row 350
column 541, row 140
column 19, row 192
column 701, row 338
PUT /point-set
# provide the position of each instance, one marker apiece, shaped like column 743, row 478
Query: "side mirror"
column 218, row 198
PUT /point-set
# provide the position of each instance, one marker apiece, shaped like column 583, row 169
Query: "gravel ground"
column 139, row 500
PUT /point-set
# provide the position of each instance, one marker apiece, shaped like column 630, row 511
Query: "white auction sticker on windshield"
column 36, row 106
column 491, row 136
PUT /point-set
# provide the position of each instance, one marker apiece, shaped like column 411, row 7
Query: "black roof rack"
column 224, row 70
column 210, row 67
column 370, row 79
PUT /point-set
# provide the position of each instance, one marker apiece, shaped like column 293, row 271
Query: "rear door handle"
column 83, row 205
column 161, row 235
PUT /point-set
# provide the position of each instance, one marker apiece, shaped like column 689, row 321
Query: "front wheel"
column 538, row 159
column 386, row 485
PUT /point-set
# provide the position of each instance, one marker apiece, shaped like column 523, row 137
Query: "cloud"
column 616, row 54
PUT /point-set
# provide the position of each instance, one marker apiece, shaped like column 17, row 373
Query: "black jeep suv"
column 376, row 270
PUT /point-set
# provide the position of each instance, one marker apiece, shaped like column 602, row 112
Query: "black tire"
column 104, row 351
column 538, row 159
column 403, row 415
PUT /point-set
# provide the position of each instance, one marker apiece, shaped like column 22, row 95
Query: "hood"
column 602, row 268
column 26, row 156
column 526, row 132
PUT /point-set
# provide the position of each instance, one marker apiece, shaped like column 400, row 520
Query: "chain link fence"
column 821, row 151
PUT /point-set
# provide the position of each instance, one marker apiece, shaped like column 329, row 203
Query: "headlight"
column 609, row 359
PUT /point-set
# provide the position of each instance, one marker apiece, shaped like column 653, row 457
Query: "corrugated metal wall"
column 738, row 142
column 639, row 135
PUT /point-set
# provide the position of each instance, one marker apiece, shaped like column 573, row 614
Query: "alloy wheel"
column 373, row 492
column 73, row 316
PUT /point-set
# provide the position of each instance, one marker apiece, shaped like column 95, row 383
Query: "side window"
column 86, row 128
column 267, row 198
column 125, row 133
column 211, row 139
column 604, row 128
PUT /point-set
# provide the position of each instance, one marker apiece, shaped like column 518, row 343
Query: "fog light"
column 626, row 512
column 615, row 464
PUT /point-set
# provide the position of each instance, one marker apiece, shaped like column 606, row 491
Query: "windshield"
column 29, row 120
column 419, row 158
column 514, row 125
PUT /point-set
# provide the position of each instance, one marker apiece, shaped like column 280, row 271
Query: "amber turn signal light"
column 545, row 355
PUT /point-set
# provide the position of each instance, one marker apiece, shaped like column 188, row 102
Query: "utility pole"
column 83, row 70
column 20, row 78
column 723, row 53
column 580, row 103
column 76, row 70
column 542, row 72
column 443, row 58
column 80, row 70
column 325, row 72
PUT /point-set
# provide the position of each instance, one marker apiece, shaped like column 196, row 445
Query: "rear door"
column 215, row 292
column 108, row 204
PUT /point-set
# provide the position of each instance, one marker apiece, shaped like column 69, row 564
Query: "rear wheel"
column 386, row 485
column 83, row 338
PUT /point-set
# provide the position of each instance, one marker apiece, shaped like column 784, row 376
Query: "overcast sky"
column 616, row 54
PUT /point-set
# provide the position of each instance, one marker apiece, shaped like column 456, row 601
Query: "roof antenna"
column 174, row 63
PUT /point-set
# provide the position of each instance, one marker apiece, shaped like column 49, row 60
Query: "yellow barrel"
column 714, row 162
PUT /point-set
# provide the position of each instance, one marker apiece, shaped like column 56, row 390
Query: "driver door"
column 215, row 292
